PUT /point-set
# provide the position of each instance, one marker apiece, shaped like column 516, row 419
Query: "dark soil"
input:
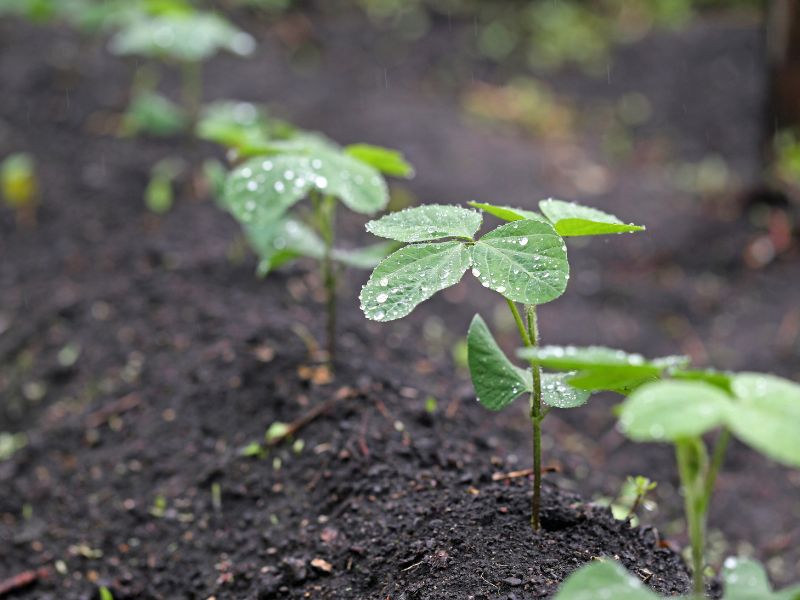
column 185, row 358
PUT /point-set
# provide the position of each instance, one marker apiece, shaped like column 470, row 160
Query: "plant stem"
column 326, row 214
column 693, row 489
column 717, row 458
column 192, row 89
column 523, row 332
column 536, row 421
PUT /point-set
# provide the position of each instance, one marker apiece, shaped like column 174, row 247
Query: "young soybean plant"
column 177, row 33
column 762, row 411
column 260, row 192
column 525, row 261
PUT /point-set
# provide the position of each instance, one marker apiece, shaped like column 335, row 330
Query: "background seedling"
column 525, row 261
column 260, row 192
column 762, row 411
column 20, row 187
column 158, row 195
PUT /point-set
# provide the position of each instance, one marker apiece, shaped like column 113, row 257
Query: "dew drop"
column 279, row 187
column 381, row 298
column 523, row 241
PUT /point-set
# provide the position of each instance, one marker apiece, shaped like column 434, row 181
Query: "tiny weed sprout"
column 260, row 192
column 525, row 261
column 673, row 404
column 742, row 579
column 20, row 187
column 177, row 33
column 158, row 195
column 641, row 486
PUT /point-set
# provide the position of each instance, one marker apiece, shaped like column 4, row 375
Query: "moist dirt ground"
column 140, row 354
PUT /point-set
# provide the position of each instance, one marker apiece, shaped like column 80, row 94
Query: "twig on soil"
column 124, row 404
column 412, row 566
column 522, row 473
column 311, row 415
column 22, row 580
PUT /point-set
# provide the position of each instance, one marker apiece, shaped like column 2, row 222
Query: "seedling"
column 762, row 411
column 176, row 33
column 154, row 114
column 743, row 579
column 641, row 486
column 158, row 195
column 20, row 187
column 525, row 261
column 260, row 192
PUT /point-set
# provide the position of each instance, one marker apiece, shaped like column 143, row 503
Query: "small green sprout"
column 105, row 593
column 158, row 195
column 20, row 187
column 742, row 579
column 244, row 128
column 525, row 261
column 260, row 192
column 641, row 486
column 763, row 411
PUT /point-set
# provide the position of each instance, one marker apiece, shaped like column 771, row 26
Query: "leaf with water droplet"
column 572, row 219
column 527, row 259
column 190, row 36
column 745, row 580
column 410, row 276
column 603, row 580
column 767, row 415
column 425, row 223
column 497, row 381
column 385, row 160
column 672, row 410
column 721, row 379
column 507, row 213
column 284, row 240
column 558, row 393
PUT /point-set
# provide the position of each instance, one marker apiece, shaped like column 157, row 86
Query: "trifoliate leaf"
column 426, row 223
column 385, row 160
column 572, row 219
column 559, row 393
column 191, row 37
column 525, row 261
column 411, row 275
column 496, row 380
column 767, row 415
column 506, row 213
column 603, row 577
column 672, row 410
column 239, row 125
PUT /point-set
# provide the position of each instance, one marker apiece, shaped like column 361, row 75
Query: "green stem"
column 326, row 214
column 192, row 89
column 523, row 332
column 695, row 515
column 536, row 421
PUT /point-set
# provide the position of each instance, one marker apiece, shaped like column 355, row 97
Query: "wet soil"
column 140, row 356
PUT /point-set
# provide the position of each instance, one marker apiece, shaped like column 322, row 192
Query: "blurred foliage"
column 153, row 114
column 786, row 149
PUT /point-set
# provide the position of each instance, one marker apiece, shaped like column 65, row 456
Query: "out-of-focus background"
column 678, row 114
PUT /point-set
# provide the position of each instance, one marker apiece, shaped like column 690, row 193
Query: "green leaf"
column 559, row 393
column 410, row 276
column 367, row 257
column 360, row 187
column 622, row 380
column 496, row 380
column 767, row 416
column 284, row 240
column 525, row 261
column 610, row 577
column 239, row 125
column 572, row 358
column 572, row 219
column 385, row 160
column 506, row 213
column 426, row 223
column 671, row 410
column 745, row 580
column 718, row 378
column 185, row 37
column 153, row 114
